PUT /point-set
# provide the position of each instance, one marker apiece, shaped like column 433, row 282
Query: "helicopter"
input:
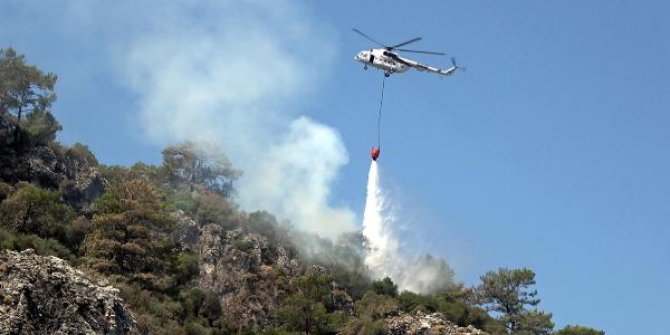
column 390, row 62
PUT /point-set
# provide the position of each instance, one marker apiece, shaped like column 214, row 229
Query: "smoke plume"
column 227, row 72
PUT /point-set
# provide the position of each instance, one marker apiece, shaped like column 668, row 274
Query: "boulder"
column 45, row 295
column 427, row 324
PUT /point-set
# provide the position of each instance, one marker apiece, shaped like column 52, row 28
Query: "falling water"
column 380, row 244
column 423, row 274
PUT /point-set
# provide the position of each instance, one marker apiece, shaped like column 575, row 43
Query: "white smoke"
column 225, row 72
column 384, row 257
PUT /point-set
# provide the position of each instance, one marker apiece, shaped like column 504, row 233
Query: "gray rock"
column 427, row 324
column 244, row 271
column 81, row 191
column 187, row 231
column 45, row 295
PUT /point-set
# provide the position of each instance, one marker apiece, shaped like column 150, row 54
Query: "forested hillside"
column 187, row 260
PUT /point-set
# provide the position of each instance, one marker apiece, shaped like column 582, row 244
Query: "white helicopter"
column 389, row 61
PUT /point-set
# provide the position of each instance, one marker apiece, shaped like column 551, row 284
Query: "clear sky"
column 550, row 152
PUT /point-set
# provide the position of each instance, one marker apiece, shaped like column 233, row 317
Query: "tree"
column 532, row 322
column 507, row 293
column 370, row 313
column 579, row 330
column 305, row 310
column 200, row 165
column 385, row 287
column 79, row 157
column 32, row 210
column 377, row 306
column 298, row 313
column 19, row 242
column 130, row 235
column 25, row 91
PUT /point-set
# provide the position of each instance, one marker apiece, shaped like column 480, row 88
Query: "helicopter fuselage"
column 382, row 59
column 388, row 60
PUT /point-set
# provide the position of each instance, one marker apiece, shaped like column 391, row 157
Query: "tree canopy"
column 508, row 293
column 200, row 164
column 26, row 96
column 579, row 330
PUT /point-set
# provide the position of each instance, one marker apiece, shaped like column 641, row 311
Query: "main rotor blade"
column 405, row 43
column 368, row 37
column 397, row 58
column 422, row 52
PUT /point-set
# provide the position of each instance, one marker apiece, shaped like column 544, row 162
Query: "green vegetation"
column 26, row 123
column 31, row 209
column 125, row 232
column 579, row 330
column 305, row 310
column 507, row 292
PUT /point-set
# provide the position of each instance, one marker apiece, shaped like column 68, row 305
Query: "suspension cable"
column 379, row 115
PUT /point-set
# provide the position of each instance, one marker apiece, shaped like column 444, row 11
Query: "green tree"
column 385, row 287
column 299, row 313
column 365, row 326
column 411, row 302
column 200, row 165
column 507, row 293
column 33, row 210
column 130, row 235
column 377, row 306
column 579, row 330
column 25, row 93
column 185, row 266
column 454, row 304
column 370, row 313
column 79, row 157
column 305, row 310
column 209, row 207
column 19, row 242
column 531, row 322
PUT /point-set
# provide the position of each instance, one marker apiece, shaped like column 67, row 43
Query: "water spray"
column 374, row 224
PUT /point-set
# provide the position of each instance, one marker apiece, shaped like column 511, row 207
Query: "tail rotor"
column 455, row 65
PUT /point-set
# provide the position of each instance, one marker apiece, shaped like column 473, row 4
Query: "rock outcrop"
column 80, row 192
column 245, row 272
column 79, row 180
column 187, row 232
column 427, row 324
column 45, row 295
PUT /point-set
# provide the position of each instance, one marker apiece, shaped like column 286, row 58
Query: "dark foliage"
column 26, row 96
column 385, row 287
column 579, row 330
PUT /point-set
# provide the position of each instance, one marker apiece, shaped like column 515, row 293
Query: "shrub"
column 33, row 210
column 46, row 247
column 185, row 267
column 5, row 191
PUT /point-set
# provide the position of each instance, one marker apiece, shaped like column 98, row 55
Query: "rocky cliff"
column 427, row 324
column 244, row 272
column 45, row 295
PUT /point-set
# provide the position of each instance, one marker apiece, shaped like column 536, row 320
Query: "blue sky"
column 550, row 152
